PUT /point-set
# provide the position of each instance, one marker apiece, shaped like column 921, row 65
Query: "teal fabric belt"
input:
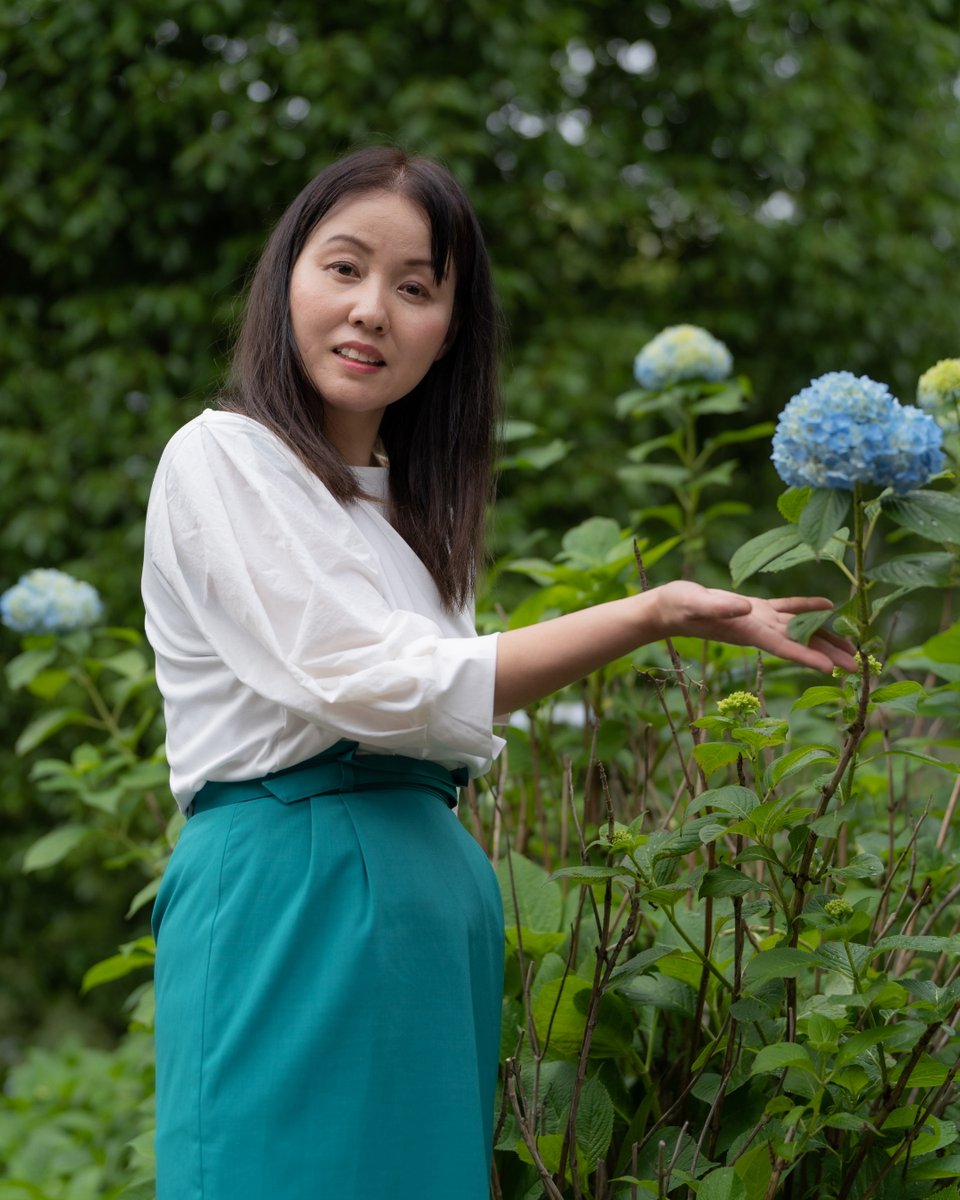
column 338, row 769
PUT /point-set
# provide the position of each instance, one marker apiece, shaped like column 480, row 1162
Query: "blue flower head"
column 680, row 353
column 841, row 430
column 50, row 601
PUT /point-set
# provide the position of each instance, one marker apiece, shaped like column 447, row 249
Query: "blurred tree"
column 786, row 174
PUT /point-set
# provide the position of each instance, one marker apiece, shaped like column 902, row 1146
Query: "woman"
column 329, row 938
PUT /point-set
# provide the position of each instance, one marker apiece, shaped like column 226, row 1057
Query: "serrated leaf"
column 115, row 967
column 540, row 901
column 714, row 756
column 725, row 880
column 780, row 1055
column 796, row 760
column 54, row 846
column 733, row 799
column 639, row 963
column 835, row 551
column 916, row 570
column 896, row 691
column 22, row 669
column 783, row 962
column 932, row 515
column 803, row 626
column 144, row 896
column 820, row 694
column 46, row 725
column 755, row 554
column 822, row 516
column 722, row 1184
column 791, row 503
column 594, row 1122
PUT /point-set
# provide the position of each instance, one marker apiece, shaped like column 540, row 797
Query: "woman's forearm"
column 540, row 659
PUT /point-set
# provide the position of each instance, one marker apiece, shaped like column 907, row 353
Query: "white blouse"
column 283, row 621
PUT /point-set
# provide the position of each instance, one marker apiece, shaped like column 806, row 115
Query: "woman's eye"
column 414, row 289
column 342, row 268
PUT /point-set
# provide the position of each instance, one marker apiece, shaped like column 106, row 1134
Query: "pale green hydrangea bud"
column 739, row 705
column 839, row 909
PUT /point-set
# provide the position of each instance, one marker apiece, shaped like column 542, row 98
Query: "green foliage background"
column 786, row 174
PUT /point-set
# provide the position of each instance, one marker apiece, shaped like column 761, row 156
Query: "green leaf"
column 835, row 550
column 115, row 967
column 725, row 880
column 822, row 516
column 590, row 543
column 144, row 896
column 780, row 1055
column 639, row 963
column 896, row 691
column 22, row 669
column 590, row 875
column 783, row 962
column 540, row 902
column 722, row 1184
column 792, row 502
column 755, row 554
column 796, row 760
column 735, row 800
column 714, row 756
column 803, row 626
column 594, row 1122
column 944, row 647
column 54, row 846
column 935, row 569
column 863, row 866
column 922, row 943
column 561, row 1006
column 46, row 725
column 820, row 694
column 932, row 515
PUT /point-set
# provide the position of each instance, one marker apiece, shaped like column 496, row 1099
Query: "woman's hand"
column 687, row 609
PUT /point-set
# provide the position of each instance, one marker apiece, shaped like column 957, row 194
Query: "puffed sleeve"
column 285, row 591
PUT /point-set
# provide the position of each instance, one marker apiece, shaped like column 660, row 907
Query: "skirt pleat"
column 329, row 981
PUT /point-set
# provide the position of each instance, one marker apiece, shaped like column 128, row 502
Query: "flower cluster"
column 842, row 429
column 739, row 705
column 50, row 601
column 938, row 391
column 680, row 353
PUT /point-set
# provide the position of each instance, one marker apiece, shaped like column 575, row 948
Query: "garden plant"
column 730, row 889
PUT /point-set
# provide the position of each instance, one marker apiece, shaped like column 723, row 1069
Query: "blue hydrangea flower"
column 842, row 429
column 680, row 353
column 50, row 601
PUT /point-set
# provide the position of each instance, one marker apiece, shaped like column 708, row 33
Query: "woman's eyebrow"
column 361, row 245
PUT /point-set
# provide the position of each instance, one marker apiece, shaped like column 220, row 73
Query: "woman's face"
column 368, row 318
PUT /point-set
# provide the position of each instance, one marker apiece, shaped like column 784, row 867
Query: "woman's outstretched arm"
column 540, row 659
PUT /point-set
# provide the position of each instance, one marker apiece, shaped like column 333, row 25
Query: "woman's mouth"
column 359, row 358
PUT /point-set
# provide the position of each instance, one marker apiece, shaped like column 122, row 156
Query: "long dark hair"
column 439, row 438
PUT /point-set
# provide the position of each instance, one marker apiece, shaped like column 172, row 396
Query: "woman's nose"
column 369, row 308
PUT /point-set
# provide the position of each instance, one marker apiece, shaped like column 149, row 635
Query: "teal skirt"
column 329, row 981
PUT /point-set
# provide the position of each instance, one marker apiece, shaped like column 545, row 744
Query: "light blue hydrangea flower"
column 843, row 429
column 680, row 353
column 50, row 601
